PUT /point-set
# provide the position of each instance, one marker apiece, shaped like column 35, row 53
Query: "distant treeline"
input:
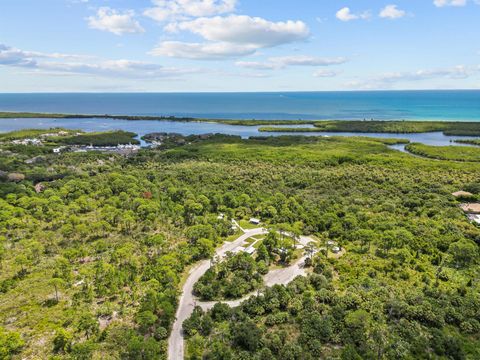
column 29, row 115
column 32, row 133
column 398, row 127
column 60, row 136
column 470, row 142
column 111, row 138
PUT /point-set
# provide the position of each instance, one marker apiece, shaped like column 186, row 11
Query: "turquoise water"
column 384, row 105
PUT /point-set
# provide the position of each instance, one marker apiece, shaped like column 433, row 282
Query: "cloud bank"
column 63, row 64
column 276, row 63
column 443, row 3
column 230, row 36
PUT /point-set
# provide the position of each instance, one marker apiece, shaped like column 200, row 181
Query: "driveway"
column 188, row 301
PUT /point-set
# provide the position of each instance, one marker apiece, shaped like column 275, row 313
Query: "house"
column 335, row 249
column 57, row 150
column 471, row 208
column 250, row 250
column 474, row 218
column 254, row 221
column 463, row 194
column 35, row 142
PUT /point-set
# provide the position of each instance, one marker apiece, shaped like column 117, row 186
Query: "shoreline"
column 331, row 125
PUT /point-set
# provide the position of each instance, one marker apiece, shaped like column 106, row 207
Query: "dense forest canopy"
column 92, row 261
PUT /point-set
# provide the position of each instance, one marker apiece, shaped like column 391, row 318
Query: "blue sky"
column 238, row 45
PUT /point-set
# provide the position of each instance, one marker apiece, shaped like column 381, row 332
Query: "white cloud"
column 345, row 14
column 309, row 61
column 387, row 80
column 15, row 57
column 231, row 36
column 202, row 51
column 443, row 3
column 116, row 22
column 276, row 63
column 392, row 12
column 116, row 68
column 325, row 73
column 179, row 9
column 258, row 65
column 457, row 72
column 56, row 64
column 242, row 29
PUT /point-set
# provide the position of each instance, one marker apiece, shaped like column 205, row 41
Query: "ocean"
column 356, row 105
column 387, row 105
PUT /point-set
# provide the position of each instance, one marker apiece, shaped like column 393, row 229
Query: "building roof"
column 471, row 208
column 462, row 194
column 250, row 250
column 474, row 218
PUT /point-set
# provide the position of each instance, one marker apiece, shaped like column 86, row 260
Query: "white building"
column 475, row 218
column 250, row 250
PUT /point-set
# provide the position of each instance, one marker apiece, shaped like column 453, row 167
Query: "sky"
column 238, row 45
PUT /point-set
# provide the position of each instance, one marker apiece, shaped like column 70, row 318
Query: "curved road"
column 187, row 301
column 276, row 277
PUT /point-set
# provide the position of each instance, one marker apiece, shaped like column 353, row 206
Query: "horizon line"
column 231, row 92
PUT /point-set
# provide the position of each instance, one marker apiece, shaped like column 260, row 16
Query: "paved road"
column 275, row 277
column 187, row 300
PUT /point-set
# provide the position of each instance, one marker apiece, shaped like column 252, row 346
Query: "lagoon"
column 142, row 127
